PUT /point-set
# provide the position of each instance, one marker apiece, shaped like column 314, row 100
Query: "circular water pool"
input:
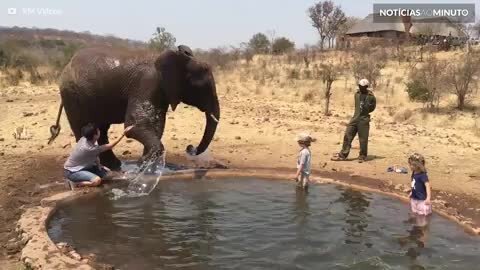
column 260, row 224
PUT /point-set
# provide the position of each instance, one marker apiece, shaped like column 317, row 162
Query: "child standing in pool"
column 304, row 160
column 421, row 192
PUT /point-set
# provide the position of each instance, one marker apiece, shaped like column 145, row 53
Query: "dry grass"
column 286, row 78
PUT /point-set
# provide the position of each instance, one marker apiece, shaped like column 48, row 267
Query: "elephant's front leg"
column 149, row 124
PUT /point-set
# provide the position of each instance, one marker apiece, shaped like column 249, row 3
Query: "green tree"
column 259, row 43
column 162, row 40
column 282, row 45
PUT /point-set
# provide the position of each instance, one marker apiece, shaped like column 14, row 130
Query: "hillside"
column 85, row 38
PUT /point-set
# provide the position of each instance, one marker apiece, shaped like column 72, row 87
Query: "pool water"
column 260, row 224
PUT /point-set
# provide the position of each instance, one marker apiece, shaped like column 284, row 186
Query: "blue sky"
column 198, row 23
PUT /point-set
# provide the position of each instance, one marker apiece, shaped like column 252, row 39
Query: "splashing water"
column 142, row 179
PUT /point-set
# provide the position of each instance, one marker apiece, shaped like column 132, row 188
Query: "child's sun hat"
column 305, row 137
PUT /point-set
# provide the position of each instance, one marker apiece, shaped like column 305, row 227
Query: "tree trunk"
column 460, row 102
column 322, row 40
column 328, row 94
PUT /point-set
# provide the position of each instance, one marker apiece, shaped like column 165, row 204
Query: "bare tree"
column 368, row 62
column 337, row 20
column 327, row 18
column 345, row 27
column 330, row 72
column 463, row 76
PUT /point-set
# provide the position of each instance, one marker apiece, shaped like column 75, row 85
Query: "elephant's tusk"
column 214, row 118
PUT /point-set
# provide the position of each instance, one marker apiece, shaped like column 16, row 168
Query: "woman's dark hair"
column 89, row 131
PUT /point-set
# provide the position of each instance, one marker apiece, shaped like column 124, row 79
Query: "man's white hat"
column 363, row 82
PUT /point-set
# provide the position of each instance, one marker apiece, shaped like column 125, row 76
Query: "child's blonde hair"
column 418, row 162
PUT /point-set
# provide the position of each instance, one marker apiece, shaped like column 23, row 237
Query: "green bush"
column 282, row 45
column 418, row 92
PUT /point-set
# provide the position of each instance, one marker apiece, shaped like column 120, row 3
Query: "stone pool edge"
column 40, row 252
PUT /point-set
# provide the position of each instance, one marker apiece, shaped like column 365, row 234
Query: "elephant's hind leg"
column 107, row 158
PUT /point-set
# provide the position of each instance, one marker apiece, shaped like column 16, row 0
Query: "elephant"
column 112, row 86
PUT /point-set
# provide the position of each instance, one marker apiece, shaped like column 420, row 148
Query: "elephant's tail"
column 55, row 129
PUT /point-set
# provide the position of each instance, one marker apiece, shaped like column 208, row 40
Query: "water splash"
column 142, row 179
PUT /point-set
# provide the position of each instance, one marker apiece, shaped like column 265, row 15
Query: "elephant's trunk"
column 212, row 119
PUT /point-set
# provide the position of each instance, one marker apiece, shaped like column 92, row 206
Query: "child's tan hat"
column 305, row 137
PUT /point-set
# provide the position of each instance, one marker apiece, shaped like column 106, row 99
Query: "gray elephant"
column 108, row 86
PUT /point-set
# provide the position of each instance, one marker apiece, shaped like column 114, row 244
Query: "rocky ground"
column 254, row 131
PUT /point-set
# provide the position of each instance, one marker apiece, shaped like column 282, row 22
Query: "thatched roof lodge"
column 404, row 27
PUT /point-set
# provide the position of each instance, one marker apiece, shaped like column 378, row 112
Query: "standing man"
column 365, row 103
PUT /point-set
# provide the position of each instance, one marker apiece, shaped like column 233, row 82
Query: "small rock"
column 75, row 255
column 9, row 100
column 2, row 139
column 238, row 138
column 27, row 261
column 27, row 114
column 13, row 248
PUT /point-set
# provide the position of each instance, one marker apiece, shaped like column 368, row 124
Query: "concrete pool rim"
column 40, row 252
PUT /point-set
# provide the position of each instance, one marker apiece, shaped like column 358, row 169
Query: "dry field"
column 263, row 107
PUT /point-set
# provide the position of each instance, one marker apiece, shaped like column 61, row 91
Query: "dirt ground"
column 255, row 130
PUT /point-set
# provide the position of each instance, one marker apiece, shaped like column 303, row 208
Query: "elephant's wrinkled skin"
column 107, row 86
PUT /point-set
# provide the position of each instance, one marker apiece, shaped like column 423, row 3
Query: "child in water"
column 304, row 160
column 421, row 192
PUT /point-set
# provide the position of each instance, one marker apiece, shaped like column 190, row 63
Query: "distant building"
column 403, row 28
column 367, row 28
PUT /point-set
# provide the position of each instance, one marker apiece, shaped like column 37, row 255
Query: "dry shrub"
column 308, row 96
column 293, row 74
column 463, row 75
column 476, row 127
column 403, row 115
column 398, row 80
column 427, row 82
column 391, row 110
column 368, row 63
column 13, row 77
column 307, row 74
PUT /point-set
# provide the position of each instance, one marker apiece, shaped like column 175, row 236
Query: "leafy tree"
column 282, row 45
column 162, row 40
column 259, row 43
column 327, row 18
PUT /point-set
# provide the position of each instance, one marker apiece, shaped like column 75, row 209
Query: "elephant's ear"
column 171, row 67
